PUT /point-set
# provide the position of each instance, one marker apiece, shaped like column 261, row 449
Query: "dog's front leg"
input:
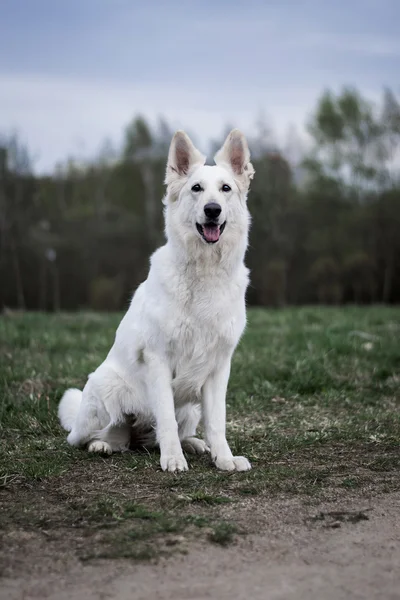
column 214, row 417
column 161, row 398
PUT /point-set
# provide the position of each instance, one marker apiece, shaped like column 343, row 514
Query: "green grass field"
column 313, row 402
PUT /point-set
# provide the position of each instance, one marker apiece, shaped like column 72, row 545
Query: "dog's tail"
column 69, row 407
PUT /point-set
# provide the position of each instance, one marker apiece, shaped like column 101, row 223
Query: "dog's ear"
column 235, row 154
column 182, row 158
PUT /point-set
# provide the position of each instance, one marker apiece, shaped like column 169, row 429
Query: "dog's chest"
column 209, row 321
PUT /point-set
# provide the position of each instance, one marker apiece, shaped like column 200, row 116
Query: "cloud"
column 72, row 73
column 59, row 116
column 350, row 44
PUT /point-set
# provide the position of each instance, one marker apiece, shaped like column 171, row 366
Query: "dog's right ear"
column 183, row 157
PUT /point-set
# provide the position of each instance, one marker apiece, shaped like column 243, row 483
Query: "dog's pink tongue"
column 211, row 233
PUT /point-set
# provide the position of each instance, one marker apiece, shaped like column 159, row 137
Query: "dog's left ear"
column 235, row 154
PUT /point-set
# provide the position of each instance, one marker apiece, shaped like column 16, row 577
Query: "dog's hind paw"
column 193, row 445
column 236, row 463
column 100, row 447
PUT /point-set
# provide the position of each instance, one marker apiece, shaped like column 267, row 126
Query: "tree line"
column 325, row 214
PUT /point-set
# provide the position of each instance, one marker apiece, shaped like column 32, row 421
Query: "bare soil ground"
column 346, row 549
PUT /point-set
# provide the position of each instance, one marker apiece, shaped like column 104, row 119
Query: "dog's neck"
column 213, row 260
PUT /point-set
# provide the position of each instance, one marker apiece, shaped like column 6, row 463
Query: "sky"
column 75, row 72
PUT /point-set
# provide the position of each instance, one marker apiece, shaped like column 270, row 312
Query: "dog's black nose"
column 212, row 210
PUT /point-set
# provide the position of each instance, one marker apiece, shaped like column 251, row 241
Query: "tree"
column 16, row 189
column 347, row 140
column 143, row 148
column 324, row 229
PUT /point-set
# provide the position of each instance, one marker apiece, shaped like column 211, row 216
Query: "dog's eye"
column 196, row 187
column 226, row 188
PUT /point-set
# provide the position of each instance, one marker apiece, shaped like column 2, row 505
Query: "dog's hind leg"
column 113, row 438
column 188, row 418
column 101, row 423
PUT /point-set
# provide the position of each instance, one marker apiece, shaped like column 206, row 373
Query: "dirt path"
column 351, row 551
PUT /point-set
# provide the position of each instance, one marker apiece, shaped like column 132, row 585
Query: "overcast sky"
column 73, row 72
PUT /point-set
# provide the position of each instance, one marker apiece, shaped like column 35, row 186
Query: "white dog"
column 170, row 361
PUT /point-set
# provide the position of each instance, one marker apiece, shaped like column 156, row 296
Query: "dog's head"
column 207, row 204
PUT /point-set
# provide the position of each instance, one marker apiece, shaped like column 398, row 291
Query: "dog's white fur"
column 170, row 361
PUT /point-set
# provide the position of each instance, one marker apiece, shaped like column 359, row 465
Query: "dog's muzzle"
column 210, row 231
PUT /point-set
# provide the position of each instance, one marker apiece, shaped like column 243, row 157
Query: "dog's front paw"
column 100, row 447
column 235, row 463
column 194, row 446
column 174, row 463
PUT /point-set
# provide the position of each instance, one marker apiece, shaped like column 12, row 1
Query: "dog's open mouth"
column 210, row 232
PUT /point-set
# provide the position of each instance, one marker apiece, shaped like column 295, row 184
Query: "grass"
column 223, row 534
column 313, row 402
